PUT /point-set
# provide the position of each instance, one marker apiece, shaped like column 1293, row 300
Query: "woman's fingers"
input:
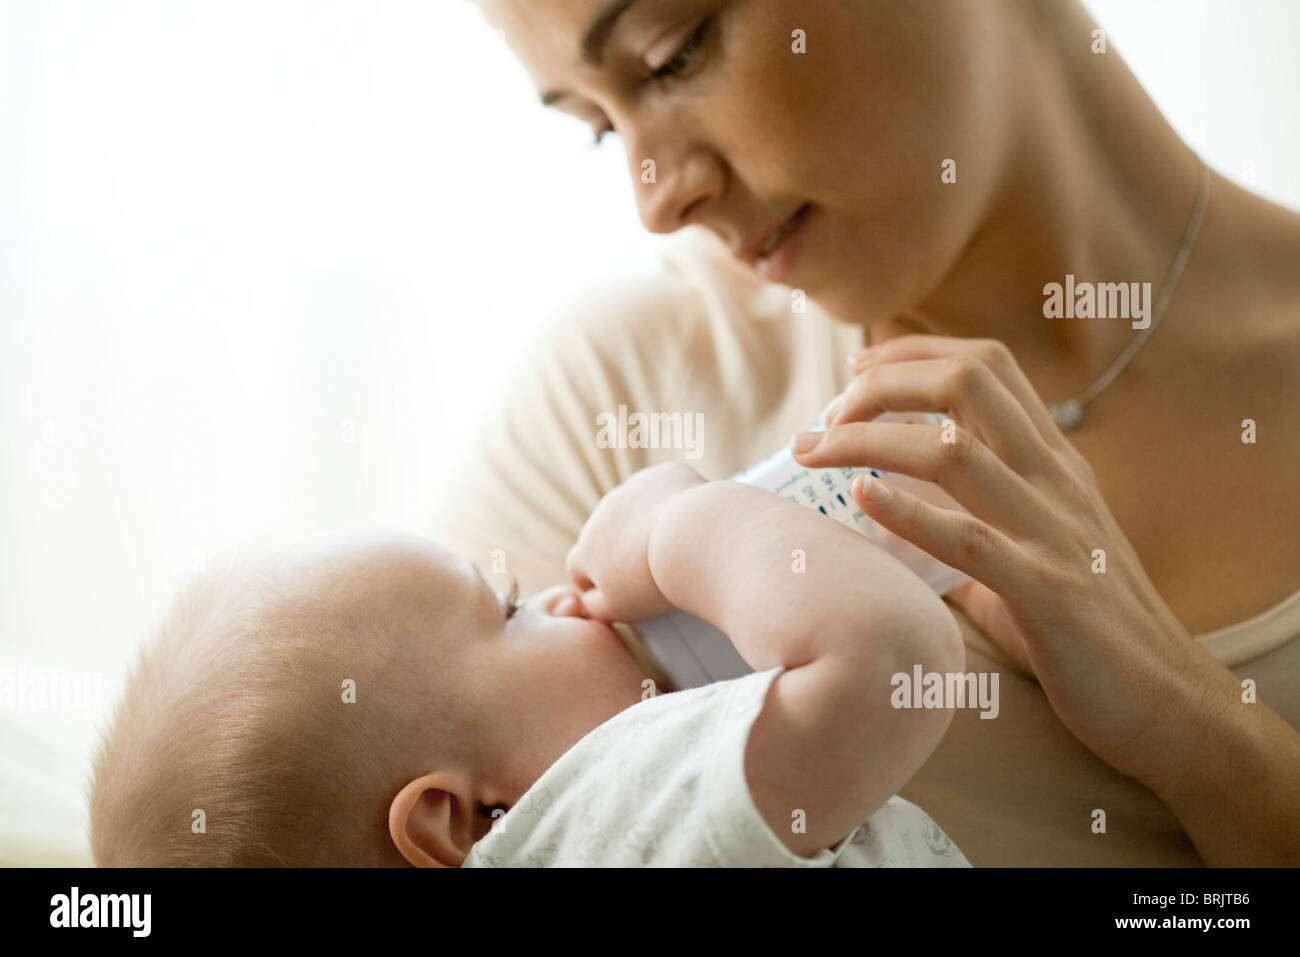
column 991, row 352
column 955, row 538
column 949, row 456
column 960, row 385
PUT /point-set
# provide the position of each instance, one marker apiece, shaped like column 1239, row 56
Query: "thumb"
column 573, row 566
column 593, row 600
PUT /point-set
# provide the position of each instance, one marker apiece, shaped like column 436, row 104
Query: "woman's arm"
column 1233, row 778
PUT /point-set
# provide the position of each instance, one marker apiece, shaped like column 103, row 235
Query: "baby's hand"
column 609, row 561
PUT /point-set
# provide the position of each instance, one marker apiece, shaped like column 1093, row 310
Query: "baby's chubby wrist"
column 672, row 546
column 702, row 541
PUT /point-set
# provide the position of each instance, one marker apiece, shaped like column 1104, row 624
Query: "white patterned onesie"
column 662, row 784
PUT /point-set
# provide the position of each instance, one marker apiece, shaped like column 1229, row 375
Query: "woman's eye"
column 688, row 56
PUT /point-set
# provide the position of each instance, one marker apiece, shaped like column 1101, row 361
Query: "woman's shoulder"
column 696, row 334
column 695, row 326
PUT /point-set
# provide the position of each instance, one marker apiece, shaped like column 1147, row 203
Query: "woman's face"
column 745, row 132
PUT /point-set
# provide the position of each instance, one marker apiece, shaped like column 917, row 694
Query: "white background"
column 262, row 264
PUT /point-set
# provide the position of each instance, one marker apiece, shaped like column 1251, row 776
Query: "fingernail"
column 805, row 441
column 832, row 409
column 874, row 490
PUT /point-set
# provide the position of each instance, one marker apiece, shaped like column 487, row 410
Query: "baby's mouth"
column 634, row 647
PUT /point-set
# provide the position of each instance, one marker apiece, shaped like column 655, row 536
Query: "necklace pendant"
column 1067, row 414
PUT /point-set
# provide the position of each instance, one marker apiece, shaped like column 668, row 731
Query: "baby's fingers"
column 593, row 600
column 574, row 566
column 957, row 539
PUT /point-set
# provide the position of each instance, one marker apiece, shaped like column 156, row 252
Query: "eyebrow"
column 594, row 41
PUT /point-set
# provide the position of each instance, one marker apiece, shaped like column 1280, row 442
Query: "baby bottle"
column 690, row 652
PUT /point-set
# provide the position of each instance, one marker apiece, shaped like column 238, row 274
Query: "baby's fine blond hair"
column 234, row 744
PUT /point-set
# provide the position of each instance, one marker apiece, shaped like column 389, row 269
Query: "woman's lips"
column 778, row 262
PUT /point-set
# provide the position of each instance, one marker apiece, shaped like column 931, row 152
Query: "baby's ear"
column 432, row 821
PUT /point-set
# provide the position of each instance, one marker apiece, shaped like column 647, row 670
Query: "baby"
column 376, row 703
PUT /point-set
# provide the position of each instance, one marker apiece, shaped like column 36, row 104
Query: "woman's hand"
column 609, row 562
column 1117, row 666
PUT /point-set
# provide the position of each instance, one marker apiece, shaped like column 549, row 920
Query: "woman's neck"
column 1098, row 186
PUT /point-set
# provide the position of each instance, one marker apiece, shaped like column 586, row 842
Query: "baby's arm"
column 827, row 742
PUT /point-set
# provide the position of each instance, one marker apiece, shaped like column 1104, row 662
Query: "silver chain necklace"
column 1069, row 413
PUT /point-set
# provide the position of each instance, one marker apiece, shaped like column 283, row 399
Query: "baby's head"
column 363, row 703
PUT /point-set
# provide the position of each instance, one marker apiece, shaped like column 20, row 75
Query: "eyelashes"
column 687, row 59
column 512, row 602
column 688, row 55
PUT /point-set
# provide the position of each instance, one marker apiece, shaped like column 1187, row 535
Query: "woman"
column 924, row 178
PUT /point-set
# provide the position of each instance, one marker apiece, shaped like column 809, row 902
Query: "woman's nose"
column 673, row 185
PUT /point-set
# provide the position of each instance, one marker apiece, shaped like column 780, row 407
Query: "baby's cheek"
column 628, row 680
